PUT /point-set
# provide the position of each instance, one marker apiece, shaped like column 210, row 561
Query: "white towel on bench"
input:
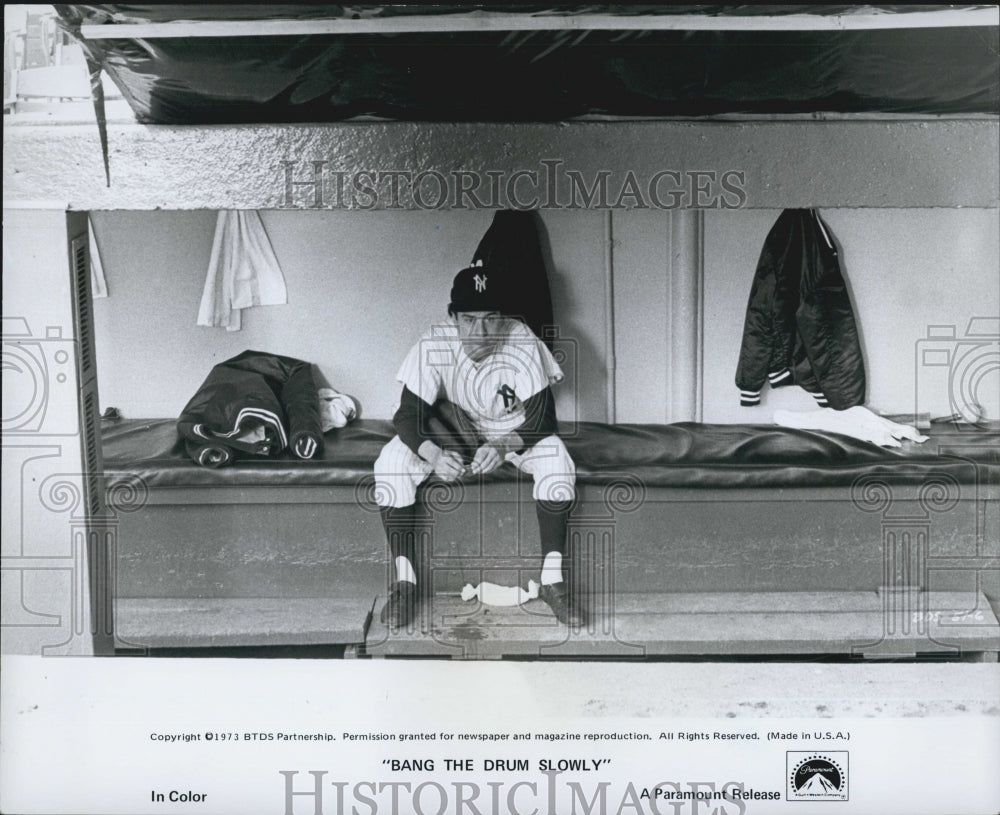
column 858, row 422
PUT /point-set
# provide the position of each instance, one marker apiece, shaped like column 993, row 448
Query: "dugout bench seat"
column 693, row 540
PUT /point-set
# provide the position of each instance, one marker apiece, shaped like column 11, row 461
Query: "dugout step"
column 260, row 621
column 868, row 624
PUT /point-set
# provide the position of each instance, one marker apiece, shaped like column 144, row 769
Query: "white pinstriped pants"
column 399, row 471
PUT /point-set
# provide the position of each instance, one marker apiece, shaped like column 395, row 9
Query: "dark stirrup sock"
column 400, row 531
column 553, row 518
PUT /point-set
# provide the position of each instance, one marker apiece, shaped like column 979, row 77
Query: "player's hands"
column 486, row 460
column 447, row 464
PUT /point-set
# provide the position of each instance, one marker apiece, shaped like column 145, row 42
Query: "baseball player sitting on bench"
column 486, row 377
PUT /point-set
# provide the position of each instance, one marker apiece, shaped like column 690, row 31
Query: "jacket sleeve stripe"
column 265, row 416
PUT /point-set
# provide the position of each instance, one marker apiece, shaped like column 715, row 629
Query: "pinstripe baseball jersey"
column 491, row 391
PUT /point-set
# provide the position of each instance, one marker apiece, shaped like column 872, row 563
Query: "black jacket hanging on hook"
column 512, row 247
column 800, row 327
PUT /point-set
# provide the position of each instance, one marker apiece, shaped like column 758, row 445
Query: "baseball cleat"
column 402, row 604
column 557, row 597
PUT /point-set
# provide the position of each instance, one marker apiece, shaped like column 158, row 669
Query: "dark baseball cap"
column 477, row 288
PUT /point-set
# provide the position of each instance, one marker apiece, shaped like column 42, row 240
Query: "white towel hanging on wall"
column 242, row 271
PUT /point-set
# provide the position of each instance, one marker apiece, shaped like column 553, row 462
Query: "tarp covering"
column 537, row 75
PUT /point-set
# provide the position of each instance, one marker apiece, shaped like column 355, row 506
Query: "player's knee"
column 396, row 460
column 389, row 485
column 555, row 487
column 385, row 457
column 557, row 456
column 389, row 491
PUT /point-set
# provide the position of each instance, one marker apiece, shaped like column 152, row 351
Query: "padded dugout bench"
column 692, row 539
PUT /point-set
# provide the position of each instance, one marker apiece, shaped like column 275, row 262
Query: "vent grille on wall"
column 80, row 260
column 90, row 424
column 89, row 404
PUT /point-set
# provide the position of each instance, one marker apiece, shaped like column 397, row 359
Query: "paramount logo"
column 816, row 776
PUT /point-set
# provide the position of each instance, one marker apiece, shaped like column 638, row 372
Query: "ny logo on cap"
column 480, row 280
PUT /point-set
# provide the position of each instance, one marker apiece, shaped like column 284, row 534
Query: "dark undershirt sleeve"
column 539, row 418
column 408, row 418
